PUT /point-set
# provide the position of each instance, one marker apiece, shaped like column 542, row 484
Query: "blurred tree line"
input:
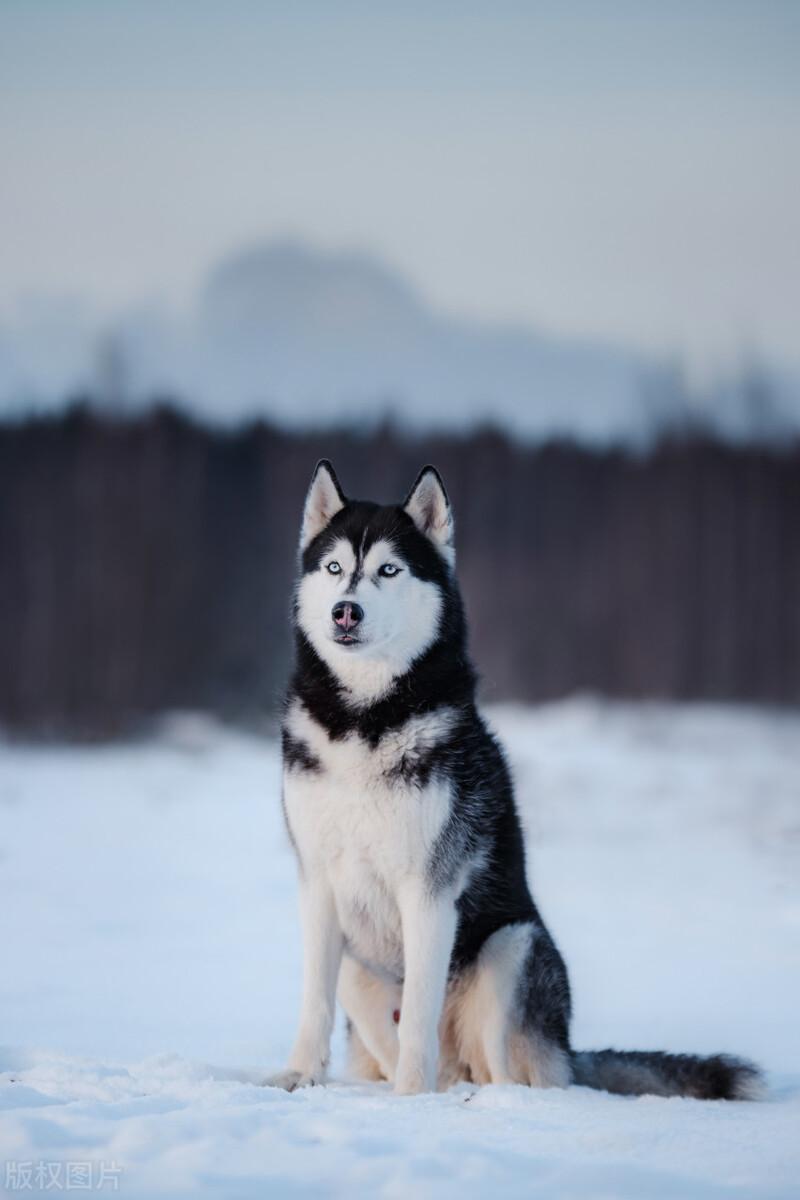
column 146, row 564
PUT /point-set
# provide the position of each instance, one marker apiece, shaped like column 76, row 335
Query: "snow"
column 151, row 968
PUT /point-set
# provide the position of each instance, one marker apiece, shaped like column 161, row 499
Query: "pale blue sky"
column 625, row 170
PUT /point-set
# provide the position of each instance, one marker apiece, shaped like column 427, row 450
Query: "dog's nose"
column 347, row 614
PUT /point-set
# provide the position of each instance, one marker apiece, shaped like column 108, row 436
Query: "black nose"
column 347, row 614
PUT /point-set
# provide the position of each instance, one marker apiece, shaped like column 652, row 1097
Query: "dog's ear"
column 324, row 500
column 429, row 509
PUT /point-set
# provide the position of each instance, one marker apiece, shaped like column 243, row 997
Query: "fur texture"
column 399, row 805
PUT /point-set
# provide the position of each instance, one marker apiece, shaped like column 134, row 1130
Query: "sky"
column 615, row 169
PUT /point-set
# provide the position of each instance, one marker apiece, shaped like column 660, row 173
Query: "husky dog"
column 400, row 809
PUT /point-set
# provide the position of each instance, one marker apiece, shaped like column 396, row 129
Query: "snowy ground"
column 149, row 930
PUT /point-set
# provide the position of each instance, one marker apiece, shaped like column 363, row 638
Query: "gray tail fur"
column 652, row 1072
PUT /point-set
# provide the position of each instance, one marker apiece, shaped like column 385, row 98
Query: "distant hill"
column 307, row 337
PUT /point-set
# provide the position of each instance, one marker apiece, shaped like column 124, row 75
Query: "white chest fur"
column 359, row 822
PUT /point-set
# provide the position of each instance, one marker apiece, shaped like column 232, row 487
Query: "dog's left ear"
column 430, row 510
column 324, row 499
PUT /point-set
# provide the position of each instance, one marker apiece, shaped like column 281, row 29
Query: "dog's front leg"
column 322, row 956
column 429, row 928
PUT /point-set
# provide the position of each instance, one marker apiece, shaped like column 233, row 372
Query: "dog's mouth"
column 346, row 639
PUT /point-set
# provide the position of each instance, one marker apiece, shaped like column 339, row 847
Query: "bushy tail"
column 652, row 1072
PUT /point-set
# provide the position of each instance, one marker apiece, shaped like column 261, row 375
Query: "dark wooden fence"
column 146, row 565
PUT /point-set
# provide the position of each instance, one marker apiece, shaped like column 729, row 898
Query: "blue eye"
column 388, row 570
column 334, row 567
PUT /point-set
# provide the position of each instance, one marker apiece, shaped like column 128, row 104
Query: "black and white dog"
column 399, row 805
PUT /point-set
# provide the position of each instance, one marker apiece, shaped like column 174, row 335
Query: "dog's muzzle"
column 347, row 615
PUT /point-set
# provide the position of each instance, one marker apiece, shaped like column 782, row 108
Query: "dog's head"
column 376, row 580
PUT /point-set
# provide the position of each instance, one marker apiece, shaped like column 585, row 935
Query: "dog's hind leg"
column 487, row 1009
column 361, row 1063
column 506, row 1015
column 372, row 1004
column 544, row 1009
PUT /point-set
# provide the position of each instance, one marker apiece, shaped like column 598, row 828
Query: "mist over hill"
column 310, row 338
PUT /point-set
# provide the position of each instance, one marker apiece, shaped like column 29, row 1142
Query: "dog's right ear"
column 429, row 508
column 324, row 500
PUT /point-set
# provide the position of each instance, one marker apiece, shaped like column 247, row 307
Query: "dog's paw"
column 408, row 1087
column 411, row 1080
column 290, row 1081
